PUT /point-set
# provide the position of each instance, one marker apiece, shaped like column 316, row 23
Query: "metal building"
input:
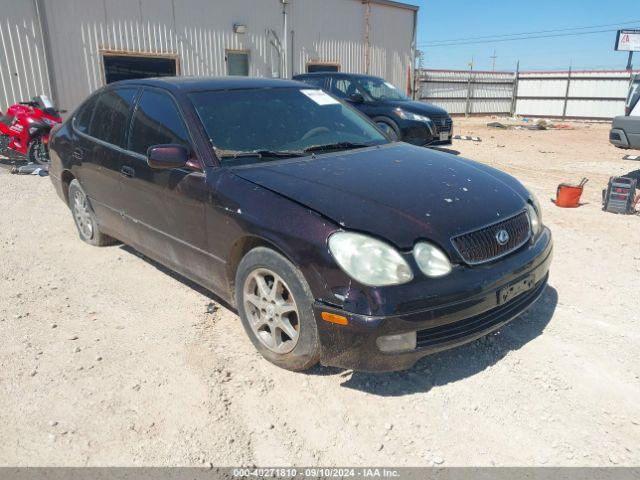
column 68, row 48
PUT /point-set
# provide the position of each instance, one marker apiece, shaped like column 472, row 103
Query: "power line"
column 525, row 33
column 519, row 38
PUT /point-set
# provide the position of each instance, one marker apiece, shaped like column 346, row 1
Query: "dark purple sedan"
column 334, row 244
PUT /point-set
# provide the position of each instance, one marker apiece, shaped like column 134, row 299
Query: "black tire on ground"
column 37, row 152
column 389, row 127
column 85, row 218
column 4, row 144
column 306, row 352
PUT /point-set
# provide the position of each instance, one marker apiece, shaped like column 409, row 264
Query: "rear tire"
column 37, row 152
column 4, row 144
column 275, row 305
column 85, row 218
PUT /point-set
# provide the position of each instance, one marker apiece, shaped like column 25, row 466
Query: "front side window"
column 378, row 89
column 156, row 121
column 111, row 116
column 293, row 121
column 343, row 87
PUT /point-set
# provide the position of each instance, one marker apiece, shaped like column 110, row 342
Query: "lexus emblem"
column 443, row 122
column 502, row 237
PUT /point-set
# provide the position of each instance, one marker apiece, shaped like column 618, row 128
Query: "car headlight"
column 432, row 261
column 535, row 213
column 534, row 218
column 411, row 116
column 368, row 260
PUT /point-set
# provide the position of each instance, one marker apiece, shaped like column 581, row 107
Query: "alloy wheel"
column 82, row 214
column 271, row 310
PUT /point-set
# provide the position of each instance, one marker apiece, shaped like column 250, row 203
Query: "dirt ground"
column 106, row 359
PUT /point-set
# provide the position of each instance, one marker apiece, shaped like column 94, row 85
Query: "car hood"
column 398, row 192
column 421, row 108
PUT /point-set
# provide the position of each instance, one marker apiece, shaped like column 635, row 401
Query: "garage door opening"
column 322, row 67
column 126, row 67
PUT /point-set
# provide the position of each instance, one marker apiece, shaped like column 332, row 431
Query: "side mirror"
column 356, row 98
column 167, row 156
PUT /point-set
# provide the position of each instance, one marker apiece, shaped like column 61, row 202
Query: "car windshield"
column 378, row 89
column 257, row 125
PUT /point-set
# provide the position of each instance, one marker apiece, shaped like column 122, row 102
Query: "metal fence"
column 563, row 94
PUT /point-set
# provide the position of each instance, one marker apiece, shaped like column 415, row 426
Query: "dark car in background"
column 333, row 244
column 401, row 118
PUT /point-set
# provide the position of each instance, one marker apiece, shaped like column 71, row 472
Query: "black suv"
column 397, row 115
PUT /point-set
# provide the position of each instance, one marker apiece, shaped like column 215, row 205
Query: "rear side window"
column 156, row 121
column 111, row 116
column 82, row 120
column 316, row 81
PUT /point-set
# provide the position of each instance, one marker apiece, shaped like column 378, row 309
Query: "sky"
column 443, row 20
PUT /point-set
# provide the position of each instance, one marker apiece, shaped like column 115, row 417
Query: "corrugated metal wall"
column 592, row 94
column 459, row 91
column 197, row 33
column 23, row 66
column 579, row 94
column 334, row 31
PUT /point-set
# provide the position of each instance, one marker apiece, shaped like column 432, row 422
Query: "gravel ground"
column 107, row 359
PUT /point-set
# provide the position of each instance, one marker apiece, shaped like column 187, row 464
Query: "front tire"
column 275, row 305
column 389, row 127
column 85, row 218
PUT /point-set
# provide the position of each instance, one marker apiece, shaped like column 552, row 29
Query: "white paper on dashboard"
column 320, row 97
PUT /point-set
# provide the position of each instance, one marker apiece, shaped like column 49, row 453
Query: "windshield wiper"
column 336, row 146
column 258, row 153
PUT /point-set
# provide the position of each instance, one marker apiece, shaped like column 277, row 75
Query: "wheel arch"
column 239, row 249
column 66, row 178
column 389, row 121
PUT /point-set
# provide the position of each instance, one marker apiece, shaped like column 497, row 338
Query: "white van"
column 625, row 130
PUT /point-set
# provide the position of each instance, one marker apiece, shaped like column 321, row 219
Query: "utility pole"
column 493, row 69
column 367, row 35
column 514, row 92
column 467, row 107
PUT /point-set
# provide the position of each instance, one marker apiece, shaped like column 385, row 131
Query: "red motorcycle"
column 26, row 126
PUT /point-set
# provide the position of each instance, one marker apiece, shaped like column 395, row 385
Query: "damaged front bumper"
column 441, row 327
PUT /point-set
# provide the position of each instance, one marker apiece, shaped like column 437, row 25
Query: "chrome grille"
column 482, row 245
column 442, row 123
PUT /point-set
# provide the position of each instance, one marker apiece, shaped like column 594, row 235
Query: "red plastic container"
column 568, row 196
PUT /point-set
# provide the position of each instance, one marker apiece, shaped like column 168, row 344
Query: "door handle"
column 77, row 153
column 128, row 171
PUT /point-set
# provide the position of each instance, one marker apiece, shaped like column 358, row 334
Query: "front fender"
column 243, row 209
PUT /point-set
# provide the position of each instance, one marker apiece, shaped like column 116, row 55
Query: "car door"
column 100, row 129
column 165, row 207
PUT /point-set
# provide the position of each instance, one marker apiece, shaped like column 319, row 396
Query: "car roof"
column 334, row 74
column 195, row 84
